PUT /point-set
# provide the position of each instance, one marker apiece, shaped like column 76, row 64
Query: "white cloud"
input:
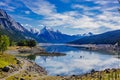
column 86, row 8
column 104, row 2
column 107, row 19
column 27, row 12
column 2, row 4
column 22, row 17
column 6, row 6
column 41, row 7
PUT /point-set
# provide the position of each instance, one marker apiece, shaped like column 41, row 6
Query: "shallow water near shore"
column 77, row 61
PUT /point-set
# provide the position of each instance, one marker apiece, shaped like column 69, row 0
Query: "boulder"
column 18, row 62
column 22, row 79
column 6, row 69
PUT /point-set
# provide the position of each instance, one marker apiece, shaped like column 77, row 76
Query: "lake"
column 77, row 61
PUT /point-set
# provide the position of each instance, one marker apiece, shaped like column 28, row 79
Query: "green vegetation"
column 31, row 43
column 27, row 42
column 13, row 35
column 25, row 75
column 12, row 43
column 113, row 74
column 4, row 43
column 7, row 59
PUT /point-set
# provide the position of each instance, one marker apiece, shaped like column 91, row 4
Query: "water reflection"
column 77, row 60
column 59, row 48
column 31, row 57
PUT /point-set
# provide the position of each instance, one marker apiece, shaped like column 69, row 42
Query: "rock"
column 29, row 75
column 80, row 56
column 23, row 75
column 16, row 77
column 92, row 71
column 107, row 70
column 6, row 69
column 22, row 79
column 58, row 75
column 114, row 70
column 12, row 66
column 73, row 75
column 18, row 62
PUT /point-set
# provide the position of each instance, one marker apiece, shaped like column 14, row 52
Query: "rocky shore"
column 102, row 47
column 107, row 74
column 26, row 51
column 22, row 70
column 28, row 70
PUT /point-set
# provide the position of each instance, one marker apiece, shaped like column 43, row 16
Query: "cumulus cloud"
column 22, row 17
column 6, row 6
column 27, row 12
column 41, row 7
column 2, row 4
column 86, row 8
column 74, row 19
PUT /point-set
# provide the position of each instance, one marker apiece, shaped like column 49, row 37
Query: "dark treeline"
column 27, row 42
column 5, row 42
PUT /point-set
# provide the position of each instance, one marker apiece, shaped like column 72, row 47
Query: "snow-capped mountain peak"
column 88, row 34
column 35, row 31
column 46, row 29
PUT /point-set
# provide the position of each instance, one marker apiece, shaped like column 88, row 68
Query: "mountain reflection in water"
column 77, row 61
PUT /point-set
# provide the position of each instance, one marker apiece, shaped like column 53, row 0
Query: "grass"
column 7, row 59
column 25, row 75
column 13, row 47
column 3, row 63
column 102, row 75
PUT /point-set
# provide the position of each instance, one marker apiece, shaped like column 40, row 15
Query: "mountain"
column 16, row 31
column 52, row 36
column 35, row 31
column 10, row 27
column 13, row 29
column 88, row 34
column 110, row 37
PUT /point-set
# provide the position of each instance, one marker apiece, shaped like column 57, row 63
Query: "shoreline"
column 85, row 76
column 41, row 69
column 96, row 47
column 27, row 68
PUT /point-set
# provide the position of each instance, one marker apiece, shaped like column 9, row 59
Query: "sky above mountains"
column 69, row 16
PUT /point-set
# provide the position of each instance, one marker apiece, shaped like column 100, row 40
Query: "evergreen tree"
column 22, row 43
column 4, row 43
column 31, row 43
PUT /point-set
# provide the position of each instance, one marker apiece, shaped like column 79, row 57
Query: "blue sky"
column 69, row 16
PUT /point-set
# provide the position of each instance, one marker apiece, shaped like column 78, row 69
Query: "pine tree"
column 4, row 43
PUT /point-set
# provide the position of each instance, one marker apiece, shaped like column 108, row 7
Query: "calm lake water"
column 77, row 61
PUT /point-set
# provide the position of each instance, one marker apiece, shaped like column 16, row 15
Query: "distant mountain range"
column 51, row 36
column 13, row 29
column 110, row 37
column 16, row 32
